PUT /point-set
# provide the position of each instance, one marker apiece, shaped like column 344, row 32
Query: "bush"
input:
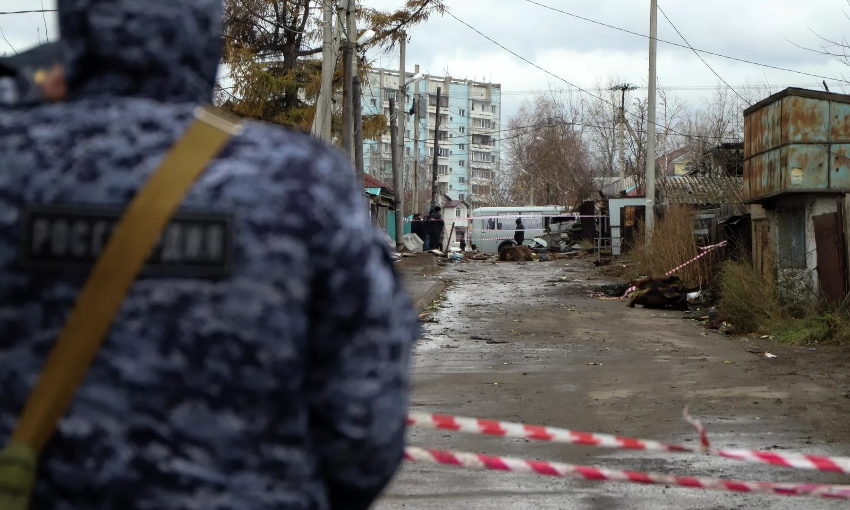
column 750, row 299
column 673, row 244
column 754, row 304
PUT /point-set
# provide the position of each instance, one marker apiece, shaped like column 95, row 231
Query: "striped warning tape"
column 488, row 462
column 515, row 216
column 559, row 435
column 705, row 251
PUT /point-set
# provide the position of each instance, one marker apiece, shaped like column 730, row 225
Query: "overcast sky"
column 583, row 53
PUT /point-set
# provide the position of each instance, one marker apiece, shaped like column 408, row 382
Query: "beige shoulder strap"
column 110, row 280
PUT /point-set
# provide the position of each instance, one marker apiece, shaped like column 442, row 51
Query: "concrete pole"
column 397, row 179
column 435, row 188
column 322, row 120
column 358, row 133
column 623, row 139
column 348, row 74
column 402, row 100
column 650, row 124
column 416, row 148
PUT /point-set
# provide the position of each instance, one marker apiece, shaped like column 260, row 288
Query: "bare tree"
column 549, row 162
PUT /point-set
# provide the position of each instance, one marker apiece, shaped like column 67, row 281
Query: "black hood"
column 162, row 49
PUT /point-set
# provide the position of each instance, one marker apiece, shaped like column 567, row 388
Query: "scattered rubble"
column 659, row 293
column 516, row 254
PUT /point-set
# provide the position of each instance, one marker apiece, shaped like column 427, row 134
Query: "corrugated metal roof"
column 371, row 182
column 701, row 190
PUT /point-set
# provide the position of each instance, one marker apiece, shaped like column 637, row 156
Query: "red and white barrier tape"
column 705, row 251
column 487, row 462
column 523, row 216
column 549, row 434
column 559, row 435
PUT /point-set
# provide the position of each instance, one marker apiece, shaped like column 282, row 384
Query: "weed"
column 808, row 330
column 750, row 299
column 673, row 243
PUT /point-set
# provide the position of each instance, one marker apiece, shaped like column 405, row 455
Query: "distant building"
column 470, row 126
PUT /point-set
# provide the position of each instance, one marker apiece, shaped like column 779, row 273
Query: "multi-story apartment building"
column 470, row 126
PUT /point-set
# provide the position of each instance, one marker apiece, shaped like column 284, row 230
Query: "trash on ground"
column 455, row 257
column 659, row 292
column 614, row 289
column 727, row 362
column 516, row 254
column 769, row 355
column 595, row 364
column 412, row 242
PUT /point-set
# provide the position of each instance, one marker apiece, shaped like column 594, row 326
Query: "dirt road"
column 516, row 342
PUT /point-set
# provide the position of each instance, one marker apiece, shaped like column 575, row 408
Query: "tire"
column 506, row 244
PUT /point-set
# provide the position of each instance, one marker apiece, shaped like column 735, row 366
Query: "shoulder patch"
column 70, row 238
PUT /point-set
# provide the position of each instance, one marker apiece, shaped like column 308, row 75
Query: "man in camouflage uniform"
column 269, row 371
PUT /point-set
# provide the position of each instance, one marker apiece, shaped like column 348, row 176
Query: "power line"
column 680, row 45
column 29, row 12
column 550, row 73
column 700, row 56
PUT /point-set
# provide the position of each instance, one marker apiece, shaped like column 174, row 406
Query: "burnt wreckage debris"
column 659, row 293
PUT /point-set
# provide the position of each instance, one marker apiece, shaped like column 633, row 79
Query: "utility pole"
column 358, row 133
column 348, row 72
column 622, row 123
column 399, row 192
column 322, row 120
column 434, row 187
column 402, row 100
column 416, row 147
column 650, row 132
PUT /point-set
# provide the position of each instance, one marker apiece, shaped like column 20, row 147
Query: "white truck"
column 494, row 227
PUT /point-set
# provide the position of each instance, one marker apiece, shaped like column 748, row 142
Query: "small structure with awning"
column 381, row 204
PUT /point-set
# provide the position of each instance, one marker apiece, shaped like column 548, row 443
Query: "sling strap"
column 111, row 278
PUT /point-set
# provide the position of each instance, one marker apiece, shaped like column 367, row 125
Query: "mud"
column 513, row 341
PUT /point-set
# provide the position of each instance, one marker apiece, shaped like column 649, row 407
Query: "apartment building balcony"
column 482, row 114
column 477, row 130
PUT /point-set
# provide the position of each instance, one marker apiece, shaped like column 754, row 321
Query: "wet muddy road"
column 524, row 342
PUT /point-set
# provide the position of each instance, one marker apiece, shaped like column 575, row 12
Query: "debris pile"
column 660, row 292
column 516, row 254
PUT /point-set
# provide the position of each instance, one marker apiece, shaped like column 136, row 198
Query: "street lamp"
column 416, row 78
column 367, row 36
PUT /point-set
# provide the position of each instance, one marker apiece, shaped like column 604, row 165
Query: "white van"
column 494, row 227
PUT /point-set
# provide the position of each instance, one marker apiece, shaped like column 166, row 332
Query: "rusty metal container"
column 797, row 141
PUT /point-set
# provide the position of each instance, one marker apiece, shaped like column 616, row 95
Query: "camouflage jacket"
column 276, row 378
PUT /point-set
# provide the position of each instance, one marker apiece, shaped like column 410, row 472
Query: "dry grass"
column 754, row 304
column 750, row 299
column 673, row 243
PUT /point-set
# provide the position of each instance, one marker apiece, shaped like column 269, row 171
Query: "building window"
column 443, row 169
column 461, row 197
column 462, row 113
column 461, row 180
column 407, row 150
column 461, row 163
column 480, row 190
column 444, row 101
column 462, row 147
column 481, row 157
column 443, row 153
column 493, row 108
column 374, row 102
column 389, row 94
column 457, row 212
column 386, row 147
column 481, row 173
column 462, row 129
